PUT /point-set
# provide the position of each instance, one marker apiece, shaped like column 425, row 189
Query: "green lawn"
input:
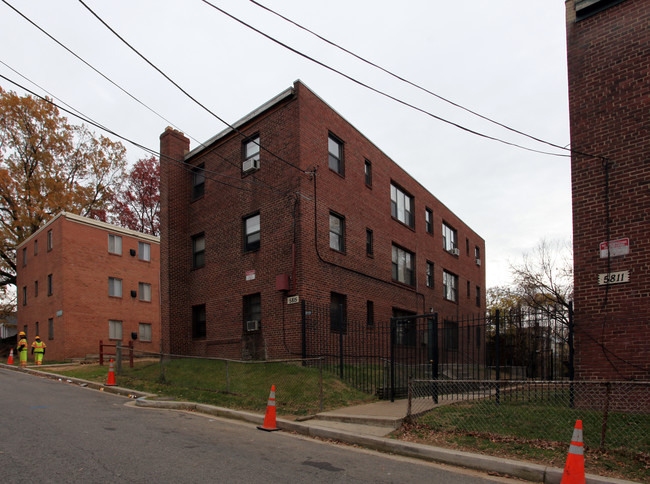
column 244, row 386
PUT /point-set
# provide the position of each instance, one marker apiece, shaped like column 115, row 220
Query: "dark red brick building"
column 80, row 281
column 608, row 44
column 293, row 203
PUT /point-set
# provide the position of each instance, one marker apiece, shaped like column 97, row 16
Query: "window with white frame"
column 251, row 154
column 114, row 329
column 144, row 290
column 50, row 285
column 450, row 286
column 428, row 220
column 335, row 149
column 144, row 330
column 401, row 205
column 252, row 232
column 337, row 232
column 402, row 266
column 50, row 240
column 429, row 274
column 449, row 238
column 114, row 244
column 144, row 251
column 367, row 167
column 114, row 287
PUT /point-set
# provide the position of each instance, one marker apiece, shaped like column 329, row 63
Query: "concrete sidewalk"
column 364, row 425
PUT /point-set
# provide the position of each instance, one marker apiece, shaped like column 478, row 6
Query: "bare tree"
column 544, row 278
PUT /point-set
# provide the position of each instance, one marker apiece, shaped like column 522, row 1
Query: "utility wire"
column 378, row 91
column 396, row 76
column 183, row 90
column 187, row 166
column 252, row 180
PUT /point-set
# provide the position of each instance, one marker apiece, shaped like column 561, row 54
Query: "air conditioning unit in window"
column 250, row 165
column 253, row 325
column 478, row 262
column 455, row 251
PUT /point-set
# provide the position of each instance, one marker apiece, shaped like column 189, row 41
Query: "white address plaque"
column 613, row 278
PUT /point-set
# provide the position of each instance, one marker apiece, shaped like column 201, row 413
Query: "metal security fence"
column 615, row 415
column 380, row 357
column 300, row 383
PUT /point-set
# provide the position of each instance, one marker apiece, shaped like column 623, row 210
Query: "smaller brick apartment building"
column 608, row 43
column 291, row 204
column 80, row 281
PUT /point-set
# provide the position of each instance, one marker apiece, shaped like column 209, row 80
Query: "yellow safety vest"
column 22, row 345
column 38, row 346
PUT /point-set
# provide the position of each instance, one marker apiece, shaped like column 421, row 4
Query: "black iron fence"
column 381, row 357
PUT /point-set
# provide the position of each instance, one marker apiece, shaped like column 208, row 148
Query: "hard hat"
column 22, row 333
column 38, row 337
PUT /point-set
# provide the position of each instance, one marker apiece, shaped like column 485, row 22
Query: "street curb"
column 520, row 469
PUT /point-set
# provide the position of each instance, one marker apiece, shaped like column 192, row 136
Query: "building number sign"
column 613, row 278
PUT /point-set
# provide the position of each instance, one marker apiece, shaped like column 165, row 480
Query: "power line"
column 378, row 91
column 396, row 76
column 253, row 179
column 187, row 166
column 234, row 128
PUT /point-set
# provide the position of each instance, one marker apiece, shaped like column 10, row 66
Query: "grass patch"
column 243, row 386
column 538, row 432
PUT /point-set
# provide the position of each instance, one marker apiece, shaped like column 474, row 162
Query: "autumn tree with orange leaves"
column 137, row 206
column 48, row 165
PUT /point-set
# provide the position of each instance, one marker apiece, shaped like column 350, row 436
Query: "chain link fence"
column 615, row 415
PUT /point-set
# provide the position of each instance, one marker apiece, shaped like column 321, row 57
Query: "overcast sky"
column 504, row 59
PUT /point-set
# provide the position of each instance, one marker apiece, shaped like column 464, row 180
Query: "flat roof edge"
column 93, row 223
column 256, row 112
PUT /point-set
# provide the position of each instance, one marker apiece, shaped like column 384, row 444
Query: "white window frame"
column 337, row 232
column 252, row 149
column 144, row 251
column 114, row 244
column 335, row 154
column 402, row 266
column 144, row 291
column 401, row 205
column 450, row 286
column 253, row 233
column 144, row 332
column 449, row 238
column 114, row 329
column 114, row 284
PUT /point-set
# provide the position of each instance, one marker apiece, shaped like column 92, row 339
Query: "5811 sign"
column 614, row 278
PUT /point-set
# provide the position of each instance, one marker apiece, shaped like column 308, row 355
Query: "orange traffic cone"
column 111, row 375
column 10, row 361
column 574, row 469
column 269, row 417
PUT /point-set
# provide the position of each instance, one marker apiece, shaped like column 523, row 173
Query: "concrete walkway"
column 364, row 425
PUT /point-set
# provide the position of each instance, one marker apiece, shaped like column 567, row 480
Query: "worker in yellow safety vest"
column 22, row 348
column 38, row 350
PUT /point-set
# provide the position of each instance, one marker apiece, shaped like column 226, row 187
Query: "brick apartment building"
column 296, row 204
column 80, row 281
column 608, row 44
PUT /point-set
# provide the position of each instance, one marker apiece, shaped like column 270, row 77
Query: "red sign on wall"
column 616, row 248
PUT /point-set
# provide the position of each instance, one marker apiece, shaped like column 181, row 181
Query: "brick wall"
column 294, row 203
column 79, row 305
column 609, row 68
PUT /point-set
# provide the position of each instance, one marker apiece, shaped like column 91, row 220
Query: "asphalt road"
column 53, row 431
